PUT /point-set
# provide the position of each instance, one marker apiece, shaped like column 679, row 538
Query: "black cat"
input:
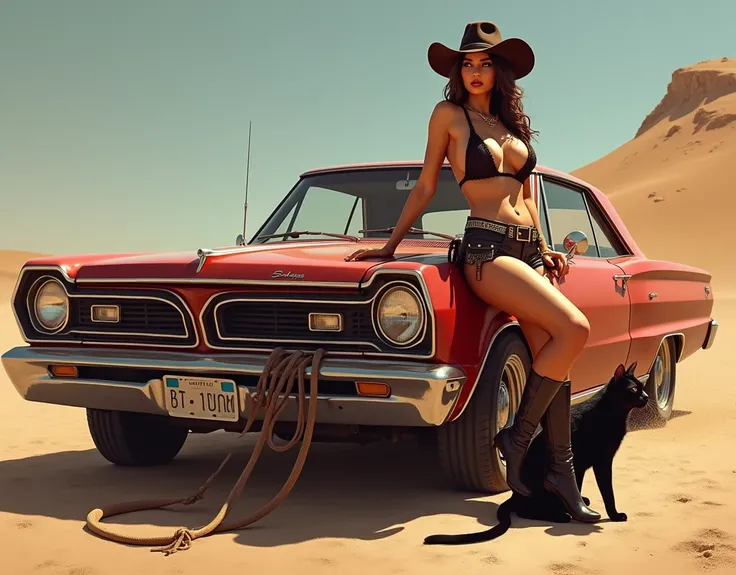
column 598, row 426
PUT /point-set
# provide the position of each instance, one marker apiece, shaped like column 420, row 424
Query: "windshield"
column 346, row 202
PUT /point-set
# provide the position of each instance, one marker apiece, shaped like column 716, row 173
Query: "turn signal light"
column 372, row 389
column 64, row 371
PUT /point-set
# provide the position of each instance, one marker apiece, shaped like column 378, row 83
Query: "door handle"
column 624, row 278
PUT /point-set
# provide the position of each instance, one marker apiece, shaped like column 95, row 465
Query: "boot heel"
column 560, row 478
column 566, row 490
column 514, row 457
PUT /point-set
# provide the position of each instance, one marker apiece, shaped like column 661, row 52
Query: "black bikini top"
column 479, row 162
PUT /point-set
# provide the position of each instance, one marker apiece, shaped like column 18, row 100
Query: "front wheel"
column 135, row 439
column 465, row 445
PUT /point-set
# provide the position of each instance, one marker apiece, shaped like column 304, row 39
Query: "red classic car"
column 155, row 346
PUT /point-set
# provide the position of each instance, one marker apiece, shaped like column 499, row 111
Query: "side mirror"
column 240, row 240
column 575, row 243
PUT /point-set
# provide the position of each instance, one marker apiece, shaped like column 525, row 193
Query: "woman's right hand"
column 384, row 252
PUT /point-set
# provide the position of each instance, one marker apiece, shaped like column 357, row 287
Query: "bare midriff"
column 499, row 198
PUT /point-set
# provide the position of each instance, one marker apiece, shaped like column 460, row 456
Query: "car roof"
column 402, row 164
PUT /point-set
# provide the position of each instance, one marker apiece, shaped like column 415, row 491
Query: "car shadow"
column 344, row 491
column 638, row 423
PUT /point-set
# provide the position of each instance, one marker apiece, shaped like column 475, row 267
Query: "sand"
column 676, row 483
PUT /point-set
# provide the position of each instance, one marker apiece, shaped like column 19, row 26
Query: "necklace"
column 490, row 120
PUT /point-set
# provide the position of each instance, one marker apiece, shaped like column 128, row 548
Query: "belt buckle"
column 528, row 231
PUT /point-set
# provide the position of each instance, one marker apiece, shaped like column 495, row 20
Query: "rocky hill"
column 673, row 183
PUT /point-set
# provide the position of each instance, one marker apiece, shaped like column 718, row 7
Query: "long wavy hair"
column 506, row 98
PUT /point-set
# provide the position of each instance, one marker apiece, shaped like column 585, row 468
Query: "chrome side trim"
column 588, row 393
column 184, row 306
column 711, row 335
column 585, row 395
column 483, row 363
column 422, row 394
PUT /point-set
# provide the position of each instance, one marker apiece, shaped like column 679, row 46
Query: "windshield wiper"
column 308, row 233
column 411, row 231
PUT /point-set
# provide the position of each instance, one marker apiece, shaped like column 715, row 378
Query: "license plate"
column 201, row 398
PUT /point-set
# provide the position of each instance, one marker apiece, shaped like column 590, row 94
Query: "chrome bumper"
column 711, row 335
column 421, row 394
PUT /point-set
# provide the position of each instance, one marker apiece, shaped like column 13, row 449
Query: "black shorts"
column 484, row 240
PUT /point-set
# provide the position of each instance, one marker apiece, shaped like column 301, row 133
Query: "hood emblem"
column 280, row 274
column 202, row 254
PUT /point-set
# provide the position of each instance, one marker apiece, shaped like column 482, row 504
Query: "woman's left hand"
column 556, row 264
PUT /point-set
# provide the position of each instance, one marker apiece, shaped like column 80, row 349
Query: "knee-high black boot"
column 513, row 441
column 560, row 479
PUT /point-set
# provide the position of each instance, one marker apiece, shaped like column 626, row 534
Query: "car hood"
column 303, row 262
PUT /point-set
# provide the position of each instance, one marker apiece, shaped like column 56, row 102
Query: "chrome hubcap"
column 662, row 376
column 509, row 392
column 503, row 405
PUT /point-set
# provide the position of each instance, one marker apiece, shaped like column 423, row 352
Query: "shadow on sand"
column 344, row 491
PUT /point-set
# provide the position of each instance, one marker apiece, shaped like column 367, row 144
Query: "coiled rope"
column 272, row 392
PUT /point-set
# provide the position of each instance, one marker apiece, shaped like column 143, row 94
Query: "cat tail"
column 503, row 515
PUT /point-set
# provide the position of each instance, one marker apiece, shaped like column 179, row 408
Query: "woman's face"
column 478, row 73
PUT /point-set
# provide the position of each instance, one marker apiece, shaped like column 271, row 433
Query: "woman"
column 485, row 135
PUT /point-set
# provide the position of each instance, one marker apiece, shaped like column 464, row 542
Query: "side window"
column 609, row 245
column 567, row 213
column 542, row 210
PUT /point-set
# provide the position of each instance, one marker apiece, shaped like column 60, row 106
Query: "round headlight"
column 400, row 315
column 51, row 305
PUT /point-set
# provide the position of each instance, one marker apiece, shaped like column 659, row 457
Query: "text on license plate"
column 201, row 398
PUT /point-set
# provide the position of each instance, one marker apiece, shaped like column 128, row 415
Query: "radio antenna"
column 247, row 172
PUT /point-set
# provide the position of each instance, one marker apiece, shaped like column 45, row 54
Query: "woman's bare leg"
column 542, row 310
column 535, row 336
column 511, row 285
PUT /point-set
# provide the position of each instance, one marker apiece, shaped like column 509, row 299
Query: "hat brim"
column 515, row 51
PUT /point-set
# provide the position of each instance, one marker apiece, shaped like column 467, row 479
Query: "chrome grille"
column 146, row 316
column 259, row 321
column 287, row 320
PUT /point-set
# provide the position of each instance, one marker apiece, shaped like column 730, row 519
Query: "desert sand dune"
column 367, row 509
column 672, row 183
column 10, row 263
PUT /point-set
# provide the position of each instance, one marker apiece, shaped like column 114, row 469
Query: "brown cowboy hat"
column 483, row 37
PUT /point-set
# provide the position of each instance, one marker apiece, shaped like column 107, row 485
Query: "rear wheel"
column 660, row 386
column 135, row 439
column 465, row 445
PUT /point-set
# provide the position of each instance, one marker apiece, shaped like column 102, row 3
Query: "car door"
column 592, row 282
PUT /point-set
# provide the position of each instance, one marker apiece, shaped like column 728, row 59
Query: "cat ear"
column 630, row 370
column 620, row 370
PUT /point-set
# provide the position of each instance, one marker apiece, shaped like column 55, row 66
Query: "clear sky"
column 123, row 126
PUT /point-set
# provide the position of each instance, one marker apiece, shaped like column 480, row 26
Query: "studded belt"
column 511, row 231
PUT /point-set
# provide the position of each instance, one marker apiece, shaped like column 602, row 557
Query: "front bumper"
column 131, row 380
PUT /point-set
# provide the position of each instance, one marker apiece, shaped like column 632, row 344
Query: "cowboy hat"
column 483, row 37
